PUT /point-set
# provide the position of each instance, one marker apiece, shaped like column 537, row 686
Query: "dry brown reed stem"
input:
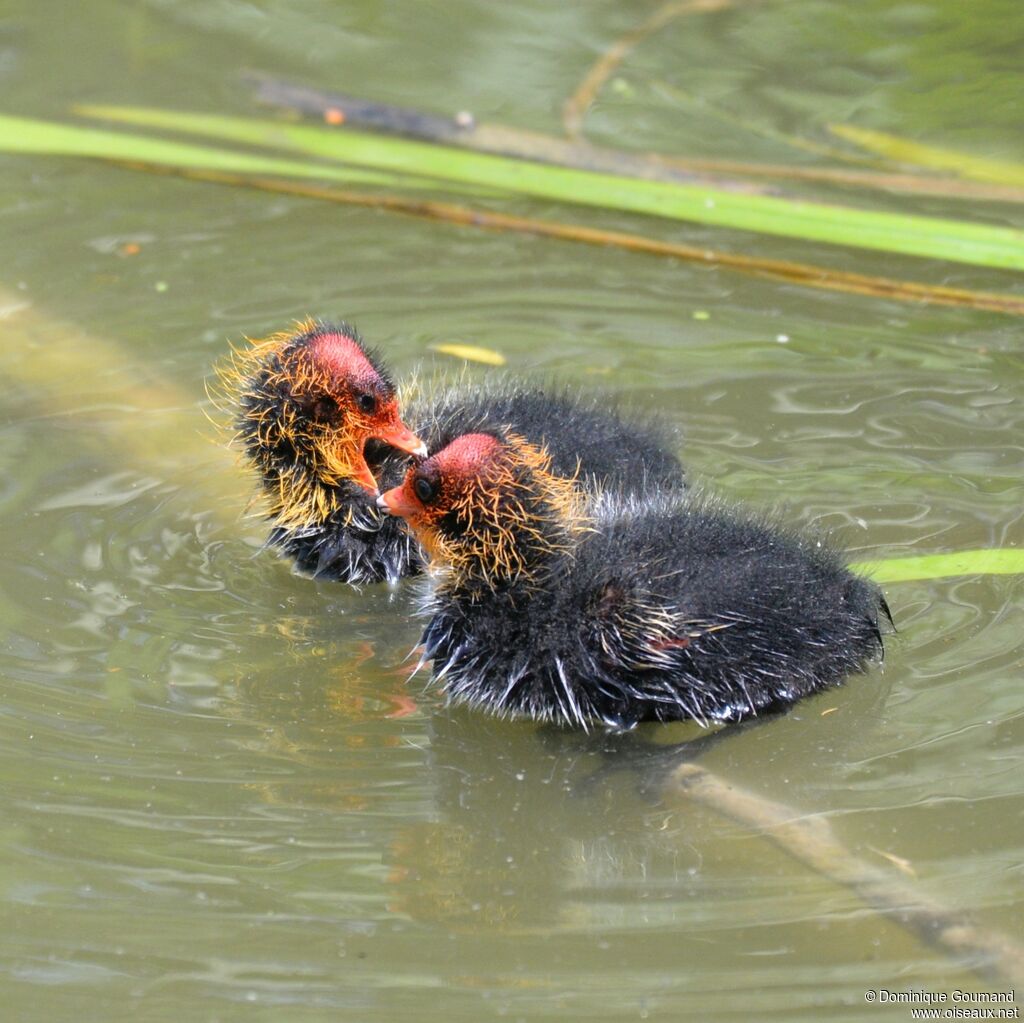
column 914, row 184
column 804, row 274
column 811, row 841
column 576, row 106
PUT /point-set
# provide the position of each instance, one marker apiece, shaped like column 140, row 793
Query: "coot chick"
column 315, row 413
column 293, row 414
column 577, row 608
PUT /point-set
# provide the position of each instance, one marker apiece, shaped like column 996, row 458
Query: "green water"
column 221, row 798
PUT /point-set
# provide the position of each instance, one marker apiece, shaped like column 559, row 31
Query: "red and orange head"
column 307, row 402
column 489, row 508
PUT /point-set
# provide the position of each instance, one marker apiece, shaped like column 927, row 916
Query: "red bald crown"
column 341, row 358
column 467, row 456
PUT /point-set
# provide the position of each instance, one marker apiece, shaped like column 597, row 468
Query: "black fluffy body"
column 357, row 543
column 672, row 607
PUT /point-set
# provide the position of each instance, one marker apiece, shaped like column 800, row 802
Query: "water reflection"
column 519, row 834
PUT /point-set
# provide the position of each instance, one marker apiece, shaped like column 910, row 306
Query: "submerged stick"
column 577, row 105
column 812, row 842
column 57, row 362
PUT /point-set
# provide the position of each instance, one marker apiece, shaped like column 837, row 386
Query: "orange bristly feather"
column 516, row 514
column 303, row 498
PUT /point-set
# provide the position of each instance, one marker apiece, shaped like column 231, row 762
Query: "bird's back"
column 671, row 607
column 606, row 445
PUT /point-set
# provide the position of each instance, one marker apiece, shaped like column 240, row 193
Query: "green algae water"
column 224, row 799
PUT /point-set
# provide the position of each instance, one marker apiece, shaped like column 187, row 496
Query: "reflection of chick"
column 318, row 420
column 518, row 834
column 621, row 609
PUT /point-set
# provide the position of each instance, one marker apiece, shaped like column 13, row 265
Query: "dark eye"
column 367, row 403
column 426, row 490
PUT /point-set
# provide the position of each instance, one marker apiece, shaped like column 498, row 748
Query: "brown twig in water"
column 339, row 108
column 811, row 841
column 803, row 274
column 576, row 106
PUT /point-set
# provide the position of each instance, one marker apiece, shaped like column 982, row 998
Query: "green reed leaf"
column 931, row 237
column 987, row 561
column 50, row 138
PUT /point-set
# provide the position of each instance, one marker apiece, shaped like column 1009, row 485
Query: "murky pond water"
column 222, row 799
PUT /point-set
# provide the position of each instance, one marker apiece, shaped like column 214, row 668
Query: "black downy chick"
column 578, row 608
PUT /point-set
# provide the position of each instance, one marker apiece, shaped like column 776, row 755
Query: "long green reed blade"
column 930, row 237
column 26, row 135
column 976, row 168
column 988, row 561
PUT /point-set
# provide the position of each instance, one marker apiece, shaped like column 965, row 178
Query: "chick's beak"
column 394, row 502
column 398, row 435
column 361, row 474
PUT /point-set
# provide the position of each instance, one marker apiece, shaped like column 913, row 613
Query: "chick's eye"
column 426, row 490
column 367, row 403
